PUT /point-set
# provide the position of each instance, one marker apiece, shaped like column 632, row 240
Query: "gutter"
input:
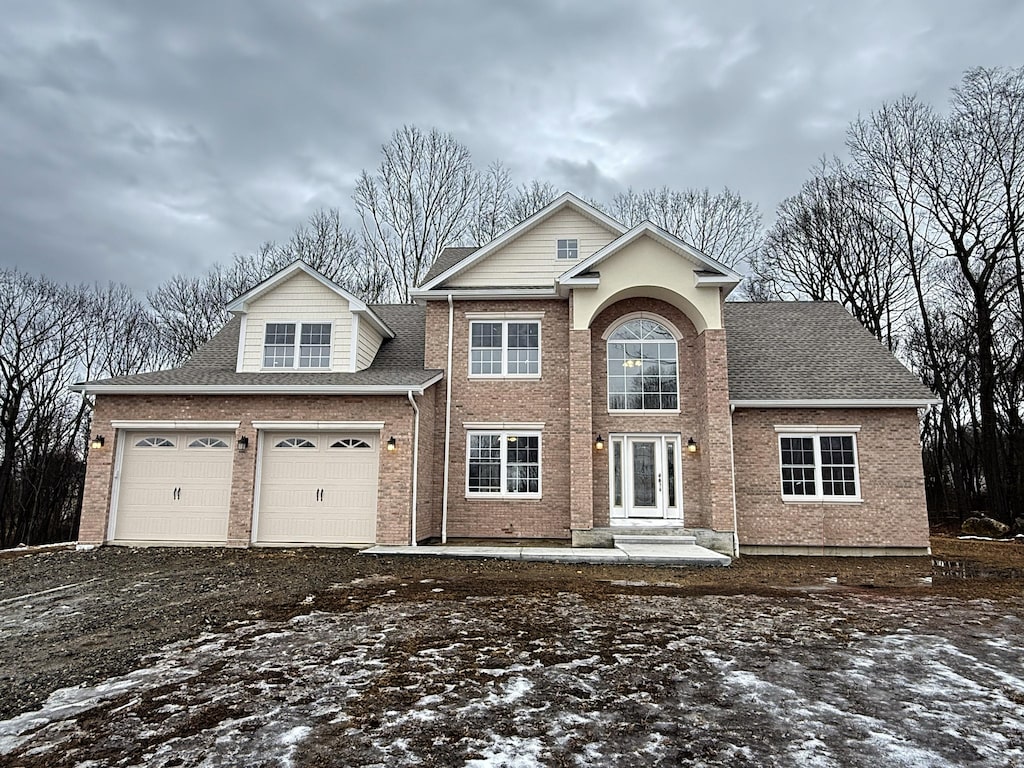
column 254, row 389
column 836, row 403
column 447, row 421
column 415, row 463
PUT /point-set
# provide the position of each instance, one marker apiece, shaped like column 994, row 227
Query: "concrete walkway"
column 622, row 552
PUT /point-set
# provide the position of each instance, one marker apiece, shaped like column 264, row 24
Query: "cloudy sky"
column 143, row 139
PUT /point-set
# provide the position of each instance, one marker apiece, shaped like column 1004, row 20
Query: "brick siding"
column 892, row 513
column 394, row 496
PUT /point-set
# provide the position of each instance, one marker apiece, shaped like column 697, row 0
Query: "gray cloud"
column 139, row 140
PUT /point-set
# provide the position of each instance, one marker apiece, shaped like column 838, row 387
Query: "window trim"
column 297, row 346
column 503, row 319
column 567, row 248
column 608, row 340
column 814, row 433
column 503, row 434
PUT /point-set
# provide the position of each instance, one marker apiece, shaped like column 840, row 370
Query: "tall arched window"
column 642, row 367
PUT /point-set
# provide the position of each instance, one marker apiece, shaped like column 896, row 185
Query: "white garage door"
column 174, row 487
column 318, row 489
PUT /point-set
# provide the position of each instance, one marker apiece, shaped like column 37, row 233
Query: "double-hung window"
column 297, row 345
column 503, row 463
column 819, row 465
column 504, row 348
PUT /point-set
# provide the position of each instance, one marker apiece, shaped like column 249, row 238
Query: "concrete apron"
column 623, row 552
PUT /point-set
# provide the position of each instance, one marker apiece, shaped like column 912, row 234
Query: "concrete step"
column 652, row 539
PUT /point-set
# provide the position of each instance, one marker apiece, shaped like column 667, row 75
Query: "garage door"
column 174, row 487
column 318, row 489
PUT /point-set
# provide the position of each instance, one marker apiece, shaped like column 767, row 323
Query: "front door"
column 645, row 477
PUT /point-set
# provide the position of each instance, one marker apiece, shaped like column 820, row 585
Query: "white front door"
column 645, row 478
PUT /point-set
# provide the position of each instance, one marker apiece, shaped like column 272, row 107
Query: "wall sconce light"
column 392, row 443
column 599, row 443
column 97, row 441
column 691, row 446
column 243, row 444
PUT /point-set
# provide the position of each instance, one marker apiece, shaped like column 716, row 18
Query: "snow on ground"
column 850, row 679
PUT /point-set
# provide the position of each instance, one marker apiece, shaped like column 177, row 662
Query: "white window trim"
column 819, row 497
column 503, row 437
column 567, row 240
column 296, row 346
column 504, row 321
column 606, row 336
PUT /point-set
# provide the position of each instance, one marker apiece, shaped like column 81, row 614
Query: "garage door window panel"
column 155, row 442
column 295, row 442
column 208, row 442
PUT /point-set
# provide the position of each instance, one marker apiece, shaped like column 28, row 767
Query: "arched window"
column 642, row 367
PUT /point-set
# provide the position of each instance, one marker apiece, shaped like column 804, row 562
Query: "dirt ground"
column 177, row 657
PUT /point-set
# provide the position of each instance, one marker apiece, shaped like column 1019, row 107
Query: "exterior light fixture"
column 599, row 443
column 97, row 441
column 691, row 446
column 392, row 443
column 512, row 438
column 243, row 444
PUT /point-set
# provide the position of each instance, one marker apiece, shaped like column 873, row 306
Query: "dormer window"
column 312, row 350
column 568, row 249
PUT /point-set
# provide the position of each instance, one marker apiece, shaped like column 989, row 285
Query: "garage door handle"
column 319, row 494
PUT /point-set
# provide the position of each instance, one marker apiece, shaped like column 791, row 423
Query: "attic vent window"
column 568, row 249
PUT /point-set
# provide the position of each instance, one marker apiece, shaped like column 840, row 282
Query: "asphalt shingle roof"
column 804, row 350
column 445, row 260
column 399, row 360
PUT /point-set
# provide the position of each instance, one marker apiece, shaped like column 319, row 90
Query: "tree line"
column 425, row 195
column 917, row 231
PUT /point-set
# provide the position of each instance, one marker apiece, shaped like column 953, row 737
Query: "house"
column 571, row 379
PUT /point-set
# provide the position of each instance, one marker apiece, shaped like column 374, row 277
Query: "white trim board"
column 256, row 389
column 503, row 425
column 155, row 424
column 876, row 403
column 320, row 426
column 817, row 429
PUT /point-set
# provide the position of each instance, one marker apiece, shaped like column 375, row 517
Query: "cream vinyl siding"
column 299, row 299
column 644, row 268
column 531, row 258
column 368, row 344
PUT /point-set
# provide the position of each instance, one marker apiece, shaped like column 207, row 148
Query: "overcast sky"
column 143, row 139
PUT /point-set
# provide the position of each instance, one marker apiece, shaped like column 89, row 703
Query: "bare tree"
column 831, row 242
column 415, row 204
column 722, row 225
column 492, row 204
column 530, row 198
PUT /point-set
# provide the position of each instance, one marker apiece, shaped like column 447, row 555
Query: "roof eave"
column 255, row 389
column 923, row 402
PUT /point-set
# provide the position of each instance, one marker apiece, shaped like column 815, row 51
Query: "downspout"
column 415, row 461
column 447, row 421
column 732, row 461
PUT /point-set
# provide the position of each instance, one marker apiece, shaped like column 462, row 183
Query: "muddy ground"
column 324, row 657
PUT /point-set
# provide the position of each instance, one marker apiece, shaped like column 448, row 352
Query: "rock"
column 980, row 525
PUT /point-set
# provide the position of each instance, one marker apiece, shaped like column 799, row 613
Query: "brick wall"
column 892, row 513
column 395, row 471
column 688, row 422
column 497, row 400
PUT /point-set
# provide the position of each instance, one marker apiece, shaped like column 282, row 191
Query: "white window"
column 311, row 349
column 207, row 442
column 568, row 249
column 500, row 348
column 155, row 442
column 295, row 442
column 503, row 464
column 819, row 467
column 642, row 367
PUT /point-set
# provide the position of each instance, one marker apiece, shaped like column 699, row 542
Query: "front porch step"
column 652, row 539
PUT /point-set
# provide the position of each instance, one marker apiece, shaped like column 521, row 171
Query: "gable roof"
column 397, row 367
column 709, row 271
column 355, row 305
column 801, row 351
column 565, row 200
column 447, row 259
